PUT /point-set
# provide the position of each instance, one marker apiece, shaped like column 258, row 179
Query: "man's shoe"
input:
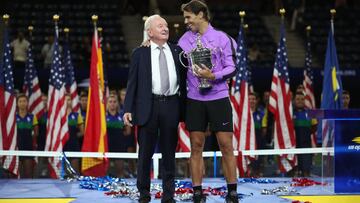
column 198, row 197
column 144, row 199
column 232, row 197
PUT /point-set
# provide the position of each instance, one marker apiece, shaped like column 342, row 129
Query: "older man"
column 153, row 102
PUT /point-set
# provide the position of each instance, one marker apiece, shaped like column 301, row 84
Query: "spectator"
column 115, row 131
column 41, row 141
column 83, row 104
column 83, row 109
column 20, row 46
column 258, row 116
column 268, row 126
column 122, row 94
column 129, row 133
column 47, row 51
column 300, row 88
column 254, row 53
column 42, row 126
column 297, row 7
column 27, row 131
column 268, row 121
column 304, row 126
column 85, row 52
column 76, row 129
column 346, row 99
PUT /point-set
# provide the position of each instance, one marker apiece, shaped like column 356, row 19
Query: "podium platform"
column 340, row 130
column 57, row 191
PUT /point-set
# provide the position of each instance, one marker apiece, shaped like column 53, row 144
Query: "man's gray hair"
column 148, row 21
column 147, row 25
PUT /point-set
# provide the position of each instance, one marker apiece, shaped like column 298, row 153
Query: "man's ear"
column 149, row 33
column 201, row 14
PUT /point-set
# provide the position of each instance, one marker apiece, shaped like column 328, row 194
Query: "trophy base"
column 204, row 86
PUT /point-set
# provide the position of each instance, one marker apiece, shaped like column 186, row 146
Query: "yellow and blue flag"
column 332, row 87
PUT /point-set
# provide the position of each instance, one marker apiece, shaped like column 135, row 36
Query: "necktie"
column 164, row 72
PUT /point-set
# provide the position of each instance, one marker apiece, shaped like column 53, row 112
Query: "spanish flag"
column 95, row 137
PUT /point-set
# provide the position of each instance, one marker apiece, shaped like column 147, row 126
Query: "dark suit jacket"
column 138, row 100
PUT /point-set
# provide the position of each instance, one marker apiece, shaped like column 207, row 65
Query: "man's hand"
column 204, row 72
column 128, row 119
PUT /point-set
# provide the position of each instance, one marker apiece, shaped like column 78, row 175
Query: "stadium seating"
column 76, row 16
column 227, row 18
column 346, row 32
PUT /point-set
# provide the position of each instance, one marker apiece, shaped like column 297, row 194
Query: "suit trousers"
column 161, row 128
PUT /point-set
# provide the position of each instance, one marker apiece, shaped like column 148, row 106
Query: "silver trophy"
column 200, row 56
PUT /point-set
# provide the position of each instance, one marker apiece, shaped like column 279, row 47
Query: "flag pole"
column 30, row 29
column 94, row 18
column 100, row 36
column 308, row 31
column 100, row 29
column 246, row 27
column 4, row 137
column 242, row 15
column 332, row 13
column 176, row 27
column 282, row 14
column 6, row 18
column 308, row 34
column 56, row 20
column 67, row 31
column 144, row 18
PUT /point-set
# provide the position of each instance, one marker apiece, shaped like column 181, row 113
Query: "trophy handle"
column 180, row 58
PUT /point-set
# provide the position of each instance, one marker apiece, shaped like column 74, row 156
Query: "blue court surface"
column 49, row 190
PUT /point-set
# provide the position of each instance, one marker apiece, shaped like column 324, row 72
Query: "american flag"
column 308, row 79
column 2, row 109
column 308, row 85
column 8, row 98
column 244, row 128
column 31, row 86
column 280, row 105
column 57, row 127
column 71, row 84
column 184, row 138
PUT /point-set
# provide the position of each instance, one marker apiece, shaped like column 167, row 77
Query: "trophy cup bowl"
column 201, row 56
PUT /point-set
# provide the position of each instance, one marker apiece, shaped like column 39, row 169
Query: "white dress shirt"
column 155, row 69
column 20, row 49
